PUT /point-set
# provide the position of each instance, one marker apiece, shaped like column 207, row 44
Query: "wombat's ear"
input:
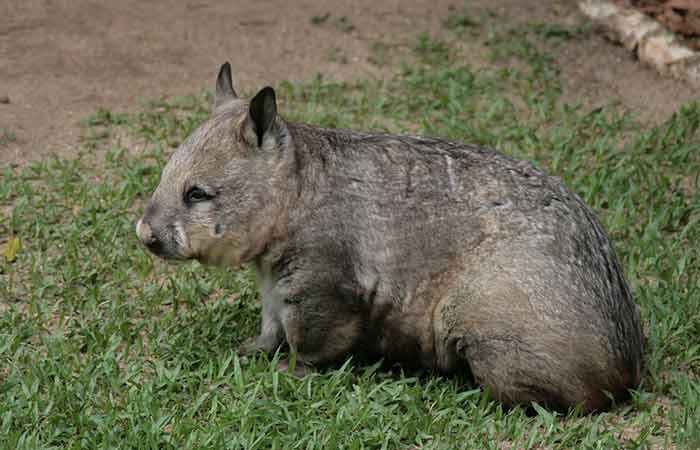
column 224, row 86
column 262, row 113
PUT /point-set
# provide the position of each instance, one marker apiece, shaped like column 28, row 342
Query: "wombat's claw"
column 300, row 371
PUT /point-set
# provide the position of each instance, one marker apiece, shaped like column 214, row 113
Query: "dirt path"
column 60, row 60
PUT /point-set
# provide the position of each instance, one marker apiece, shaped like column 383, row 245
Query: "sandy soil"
column 60, row 60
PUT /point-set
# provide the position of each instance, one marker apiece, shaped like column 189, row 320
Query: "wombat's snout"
column 147, row 238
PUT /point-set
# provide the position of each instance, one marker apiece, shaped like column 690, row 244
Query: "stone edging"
column 653, row 44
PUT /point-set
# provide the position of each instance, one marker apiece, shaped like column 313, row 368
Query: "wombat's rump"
column 430, row 253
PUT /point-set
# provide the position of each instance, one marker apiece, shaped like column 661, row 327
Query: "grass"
column 7, row 136
column 380, row 53
column 102, row 346
column 341, row 23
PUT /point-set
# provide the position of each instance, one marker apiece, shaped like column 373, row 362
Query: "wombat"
column 428, row 253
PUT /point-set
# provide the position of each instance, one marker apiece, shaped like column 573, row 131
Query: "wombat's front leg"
column 271, row 334
column 262, row 343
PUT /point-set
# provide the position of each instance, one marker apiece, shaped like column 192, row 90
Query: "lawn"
column 103, row 347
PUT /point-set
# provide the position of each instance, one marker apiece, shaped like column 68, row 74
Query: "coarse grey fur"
column 430, row 253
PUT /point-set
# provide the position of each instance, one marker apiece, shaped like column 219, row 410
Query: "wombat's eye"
column 195, row 195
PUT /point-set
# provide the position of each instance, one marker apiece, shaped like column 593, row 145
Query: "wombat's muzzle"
column 147, row 238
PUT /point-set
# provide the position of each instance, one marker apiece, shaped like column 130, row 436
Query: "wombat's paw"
column 250, row 346
column 300, row 369
column 259, row 344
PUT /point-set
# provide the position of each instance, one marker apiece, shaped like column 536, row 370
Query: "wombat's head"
column 220, row 196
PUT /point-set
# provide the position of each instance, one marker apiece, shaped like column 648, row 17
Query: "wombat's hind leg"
column 516, row 354
column 511, row 374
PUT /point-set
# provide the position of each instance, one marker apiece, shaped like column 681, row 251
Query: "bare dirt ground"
column 61, row 60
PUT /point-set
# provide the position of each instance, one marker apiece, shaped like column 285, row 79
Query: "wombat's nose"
column 143, row 230
column 145, row 234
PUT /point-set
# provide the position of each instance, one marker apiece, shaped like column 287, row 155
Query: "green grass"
column 342, row 23
column 102, row 346
column 7, row 136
